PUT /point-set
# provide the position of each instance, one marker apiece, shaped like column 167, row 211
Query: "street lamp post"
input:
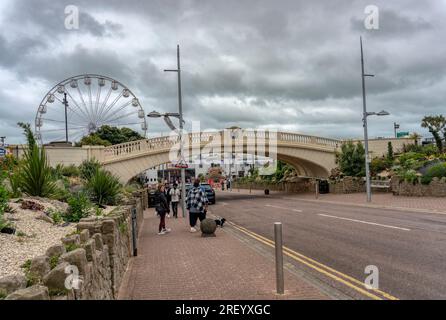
column 396, row 126
column 65, row 103
column 180, row 109
column 364, row 121
column 156, row 114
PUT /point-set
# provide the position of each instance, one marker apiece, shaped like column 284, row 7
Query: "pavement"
column 328, row 244
column 184, row 266
column 334, row 238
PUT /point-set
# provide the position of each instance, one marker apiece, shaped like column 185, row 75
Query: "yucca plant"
column 35, row 176
column 104, row 187
column 88, row 168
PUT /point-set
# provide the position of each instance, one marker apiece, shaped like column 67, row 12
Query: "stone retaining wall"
column 437, row 188
column 99, row 252
column 347, row 185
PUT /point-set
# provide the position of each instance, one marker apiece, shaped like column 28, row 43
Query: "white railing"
column 144, row 146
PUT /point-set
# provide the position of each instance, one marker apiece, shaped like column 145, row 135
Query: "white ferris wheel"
column 80, row 105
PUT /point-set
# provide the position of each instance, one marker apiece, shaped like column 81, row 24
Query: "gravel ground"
column 40, row 235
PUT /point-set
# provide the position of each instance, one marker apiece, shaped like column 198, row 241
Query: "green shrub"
column 26, row 265
column 71, row 247
column 438, row 171
column 3, row 294
column 123, row 228
column 79, row 207
column 103, row 187
column 61, row 194
column 54, row 261
column 57, row 216
column 70, row 171
column 410, row 159
column 3, row 206
column 35, row 174
column 14, row 181
column 410, row 176
column 378, row 165
column 88, row 168
column 351, row 159
column 4, row 197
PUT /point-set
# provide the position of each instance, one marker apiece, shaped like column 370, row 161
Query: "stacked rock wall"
column 89, row 264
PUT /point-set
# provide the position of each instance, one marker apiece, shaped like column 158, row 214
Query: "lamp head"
column 154, row 114
column 383, row 113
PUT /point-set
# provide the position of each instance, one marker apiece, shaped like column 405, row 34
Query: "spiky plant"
column 103, row 187
column 35, row 176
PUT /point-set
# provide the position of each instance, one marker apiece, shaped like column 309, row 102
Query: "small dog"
column 220, row 222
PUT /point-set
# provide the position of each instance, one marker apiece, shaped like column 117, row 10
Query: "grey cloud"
column 266, row 56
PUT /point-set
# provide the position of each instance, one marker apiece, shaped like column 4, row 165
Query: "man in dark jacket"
column 162, row 209
column 197, row 204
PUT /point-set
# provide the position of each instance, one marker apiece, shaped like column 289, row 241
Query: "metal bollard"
column 279, row 257
column 134, row 231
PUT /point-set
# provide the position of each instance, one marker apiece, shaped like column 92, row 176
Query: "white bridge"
column 311, row 156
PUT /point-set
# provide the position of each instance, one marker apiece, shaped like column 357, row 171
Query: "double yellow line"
column 325, row 270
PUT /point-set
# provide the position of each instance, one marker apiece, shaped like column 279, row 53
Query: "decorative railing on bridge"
column 161, row 143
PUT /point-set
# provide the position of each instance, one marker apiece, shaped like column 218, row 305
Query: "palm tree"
column 436, row 125
column 416, row 137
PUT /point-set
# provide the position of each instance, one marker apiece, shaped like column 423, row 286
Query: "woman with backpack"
column 162, row 209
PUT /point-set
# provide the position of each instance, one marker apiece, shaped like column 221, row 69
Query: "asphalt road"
column 409, row 248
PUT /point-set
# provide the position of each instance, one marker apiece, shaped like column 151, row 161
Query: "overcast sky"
column 283, row 64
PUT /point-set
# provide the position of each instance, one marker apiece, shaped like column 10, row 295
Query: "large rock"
column 36, row 292
column 12, row 283
column 45, row 218
column 73, row 239
column 56, row 250
column 78, row 258
column 208, row 227
column 84, row 235
column 40, row 266
column 108, row 226
column 98, row 240
column 55, row 279
column 90, row 250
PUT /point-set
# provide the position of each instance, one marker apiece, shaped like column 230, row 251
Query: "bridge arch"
column 311, row 156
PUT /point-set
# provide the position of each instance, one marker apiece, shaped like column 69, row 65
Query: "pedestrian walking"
column 167, row 193
column 197, row 204
column 175, row 198
column 162, row 209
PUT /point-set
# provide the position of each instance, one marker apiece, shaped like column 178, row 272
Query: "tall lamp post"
column 396, row 126
column 180, row 109
column 364, row 121
column 65, row 103
column 156, row 114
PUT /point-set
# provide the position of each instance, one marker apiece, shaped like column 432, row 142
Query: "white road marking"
column 283, row 208
column 365, row 222
column 223, row 203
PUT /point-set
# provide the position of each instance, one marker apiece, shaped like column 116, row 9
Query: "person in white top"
column 175, row 198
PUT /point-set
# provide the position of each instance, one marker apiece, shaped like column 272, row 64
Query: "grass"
column 71, row 247
column 54, row 261
column 3, row 294
column 31, row 278
column 21, row 234
column 123, row 228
